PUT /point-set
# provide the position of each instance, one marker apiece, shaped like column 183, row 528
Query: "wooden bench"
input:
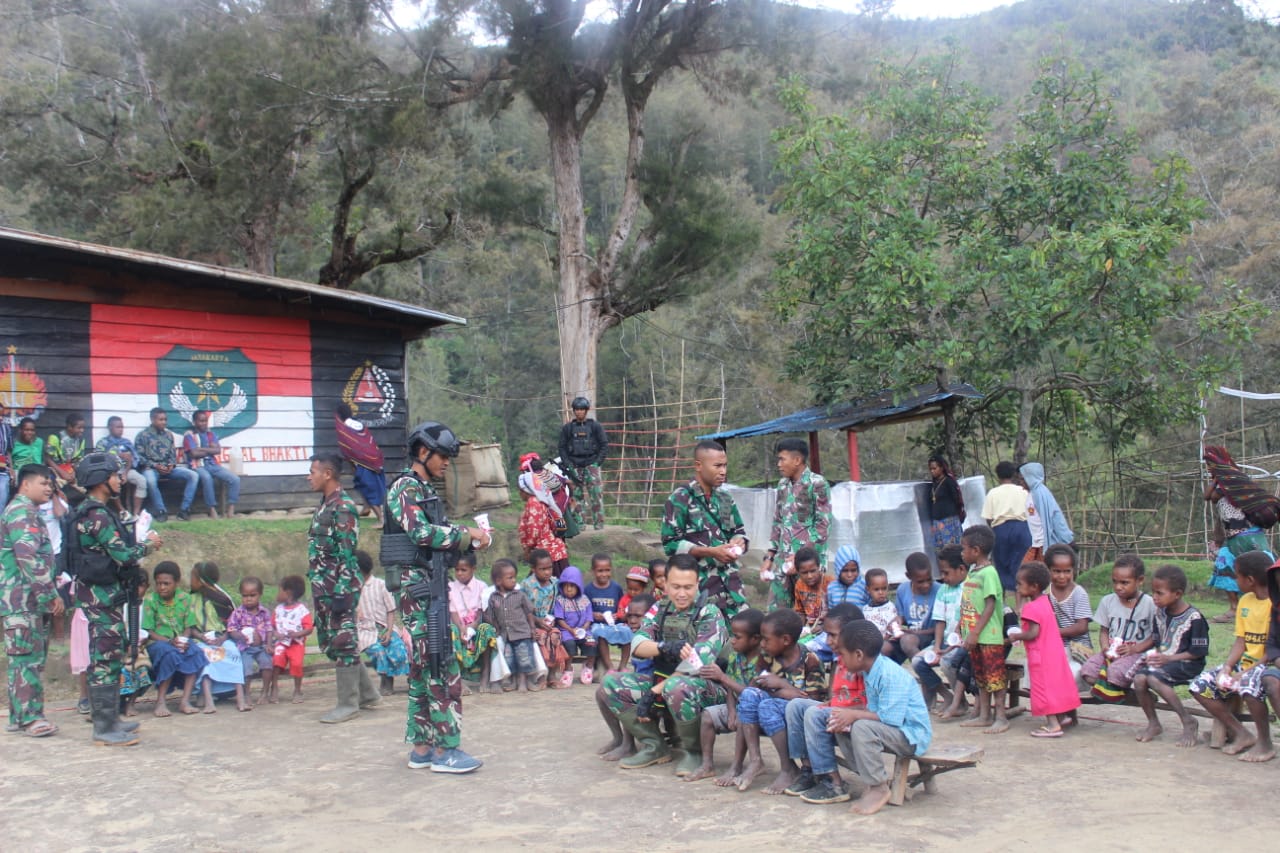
column 938, row 760
column 935, row 762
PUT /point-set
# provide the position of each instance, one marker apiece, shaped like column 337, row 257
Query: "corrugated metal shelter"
column 882, row 409
column 105, row 331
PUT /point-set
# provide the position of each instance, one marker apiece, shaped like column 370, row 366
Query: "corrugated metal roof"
column 390, row 310
column 882, row 408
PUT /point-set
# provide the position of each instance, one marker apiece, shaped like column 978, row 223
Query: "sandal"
column 1224, row 619
column 587, row 677
column 40, row 728
column 1043, row 732
column 566, row 680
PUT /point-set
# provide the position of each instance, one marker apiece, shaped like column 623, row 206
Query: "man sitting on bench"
column 895, row 720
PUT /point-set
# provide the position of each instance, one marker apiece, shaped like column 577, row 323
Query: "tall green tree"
column 922, row 251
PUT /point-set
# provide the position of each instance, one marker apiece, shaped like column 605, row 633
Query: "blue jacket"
column 1056, row 529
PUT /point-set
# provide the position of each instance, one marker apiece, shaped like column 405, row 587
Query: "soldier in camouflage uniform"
column 801, row 517
column 435, row 703
column 26, row 594
column 105, row 551
column 583, row 445
column 683, row 623
column 704, row 522
column 335, row 587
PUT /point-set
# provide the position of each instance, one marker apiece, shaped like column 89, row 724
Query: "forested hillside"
column 320, row 141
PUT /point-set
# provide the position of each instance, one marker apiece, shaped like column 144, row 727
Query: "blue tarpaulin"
column 882, row 408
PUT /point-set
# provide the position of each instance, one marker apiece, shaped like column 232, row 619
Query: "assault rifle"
column 399, row 550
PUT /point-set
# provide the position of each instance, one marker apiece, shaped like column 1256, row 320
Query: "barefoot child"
column 376, row 629
column 169, row 618
column 808, row 740
column 1053, row 688
column 1177, row 658
column 1071, row 607
column 1270, row 679
column 1241, row 675
column 293, row 626
column 1126, row 630
column 511, row 614
column 791, row 673
column 914, row 604
column 982, row 629
column 540, row 589
column 473, row 638
column 253, row 629
column 947, row 651
column 743, row 664
column 895, row 720
column 810, row 590
column 621, row 743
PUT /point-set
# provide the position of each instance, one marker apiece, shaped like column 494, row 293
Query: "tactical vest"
column 674, row 625
column 581, row 445
column 96, row 568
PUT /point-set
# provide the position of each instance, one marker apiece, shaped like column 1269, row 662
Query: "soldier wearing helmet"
column 583, row 446
column 104, row 565
column 435, row 701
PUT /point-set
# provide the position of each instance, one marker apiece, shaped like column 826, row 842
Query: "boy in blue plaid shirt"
column 895, row 719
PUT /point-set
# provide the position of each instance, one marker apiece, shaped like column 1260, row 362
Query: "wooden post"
column 815, row 459
column 855, row 468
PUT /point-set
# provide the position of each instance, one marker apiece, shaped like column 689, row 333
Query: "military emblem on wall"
column 371, row 395
column 22, row 391
column 223, row 383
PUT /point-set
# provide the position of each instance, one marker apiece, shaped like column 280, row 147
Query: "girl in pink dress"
column 1053, row 688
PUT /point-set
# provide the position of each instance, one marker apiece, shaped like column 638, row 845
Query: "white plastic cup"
column 210, row 636
column 247, row 631
column 482, row 521
column 931, row 657
column 608, row 618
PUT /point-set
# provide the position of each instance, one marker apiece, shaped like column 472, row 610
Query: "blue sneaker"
column 417, row 762
column 454, row 761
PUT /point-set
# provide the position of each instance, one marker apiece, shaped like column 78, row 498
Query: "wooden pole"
column 855, row 468
column 815, row 458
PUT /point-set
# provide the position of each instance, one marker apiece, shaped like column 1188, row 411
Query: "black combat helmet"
column 434, row 436
column 96, row 468
column 580, row 403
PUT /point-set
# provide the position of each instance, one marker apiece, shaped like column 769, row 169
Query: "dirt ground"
column 275, row 779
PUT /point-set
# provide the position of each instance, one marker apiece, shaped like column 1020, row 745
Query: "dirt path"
column 274, row 779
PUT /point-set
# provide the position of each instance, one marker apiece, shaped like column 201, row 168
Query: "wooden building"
column 105, row 331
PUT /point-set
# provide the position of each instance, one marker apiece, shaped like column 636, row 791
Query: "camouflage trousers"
column 593, row 484
column 107, row 631
column 435, row 704
column 685, row 696
column 723, row 588
column 780, row 597
column 336, row 632
column 25, row 645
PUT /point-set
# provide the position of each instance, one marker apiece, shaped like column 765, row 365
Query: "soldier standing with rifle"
column 418, row 548
column 335, row 587
column 103, row 559
column 583, row 446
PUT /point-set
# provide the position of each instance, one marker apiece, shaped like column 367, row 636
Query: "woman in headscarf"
column 946, row 504
column 541, row 522
column 1240, row 504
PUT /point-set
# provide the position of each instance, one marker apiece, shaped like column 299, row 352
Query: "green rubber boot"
column 650, row 747
column 691, row 736
column 348, row 678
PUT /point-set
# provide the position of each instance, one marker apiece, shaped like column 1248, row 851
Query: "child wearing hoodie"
column 573, row 615
column 849, row 587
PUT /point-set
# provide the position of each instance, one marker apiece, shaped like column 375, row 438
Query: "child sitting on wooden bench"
column 895, row 720
column 1241, row 675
